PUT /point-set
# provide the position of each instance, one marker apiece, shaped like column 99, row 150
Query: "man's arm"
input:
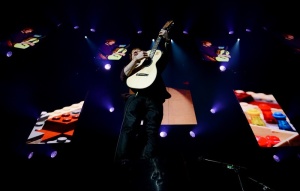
column 136, row 60
column 102, row 56
column 209, row 58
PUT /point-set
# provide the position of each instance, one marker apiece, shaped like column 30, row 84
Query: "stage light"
column 230, row 32
column 93, row 30
column 192, row 134
column 111, row 109
column 276, row 158
column 222, row 68
column 53, row 154
column 185, row 32
column 248, row 30
column 9, row 53
column 163, row 134
column 213, row 110
column 139, row 32
column 107, row 66
column 284, row 155
column 76, row 27
column 30, row 155
column 5, row 50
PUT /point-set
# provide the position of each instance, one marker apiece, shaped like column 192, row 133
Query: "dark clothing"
column 20, row 37
column 107, row 50
column 138, row 108
column 293, row 45
column 146, row 106
column 209, row 53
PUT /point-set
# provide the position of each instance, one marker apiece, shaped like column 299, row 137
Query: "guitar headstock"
column 168, row 25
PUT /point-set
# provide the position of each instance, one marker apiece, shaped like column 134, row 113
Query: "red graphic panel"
column 55, row 127
column 268, row 121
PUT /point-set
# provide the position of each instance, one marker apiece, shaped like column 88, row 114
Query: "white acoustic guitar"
column 117, row 55
column 144, row 73
column 28, row 42
column 223, row 55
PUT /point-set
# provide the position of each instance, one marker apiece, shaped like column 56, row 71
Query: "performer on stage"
column 213, row 53
column 22, row 37
column 109, row 48
column 144, row 105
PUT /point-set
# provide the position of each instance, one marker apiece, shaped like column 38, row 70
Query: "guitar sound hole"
column 141, row 74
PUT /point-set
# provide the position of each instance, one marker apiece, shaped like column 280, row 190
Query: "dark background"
column 61, row 70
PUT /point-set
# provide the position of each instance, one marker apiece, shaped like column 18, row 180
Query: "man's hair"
column 27, row 29
column 136, row 48
column 205, row 41
column 110, row 40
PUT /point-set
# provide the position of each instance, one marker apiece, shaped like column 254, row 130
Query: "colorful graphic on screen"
column 268, row 121
column 58, row 126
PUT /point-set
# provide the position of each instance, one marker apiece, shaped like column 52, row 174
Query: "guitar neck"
column 167, row 26
column 155, row 46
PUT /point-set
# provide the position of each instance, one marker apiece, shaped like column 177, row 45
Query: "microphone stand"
column 235, row 168
column 264, row 187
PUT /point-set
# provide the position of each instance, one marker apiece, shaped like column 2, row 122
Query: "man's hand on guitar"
column 29, row 43
column 224, row 55
column 140, row 55
column 119, row 53
column 102, row 56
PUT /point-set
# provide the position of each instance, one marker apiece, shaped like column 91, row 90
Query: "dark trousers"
column 139, row 108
